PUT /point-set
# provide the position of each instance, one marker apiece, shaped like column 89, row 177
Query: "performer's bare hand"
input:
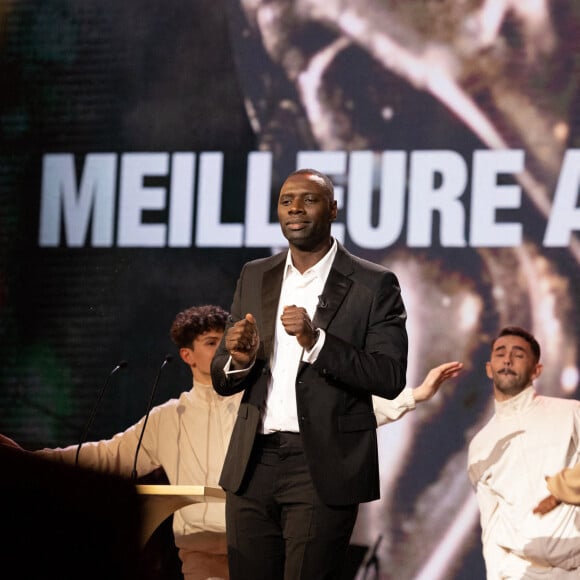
column 547, row 505
column 296, row 322
column 435, row 378
column 242, row 341
column 5, row 441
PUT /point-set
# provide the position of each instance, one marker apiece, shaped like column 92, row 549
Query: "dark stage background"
column 142, row 146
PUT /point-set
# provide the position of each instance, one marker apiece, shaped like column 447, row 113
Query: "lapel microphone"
column 322, row 303
column 121, row 365
column 168, row 358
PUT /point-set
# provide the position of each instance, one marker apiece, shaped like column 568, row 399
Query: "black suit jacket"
column 364, row 353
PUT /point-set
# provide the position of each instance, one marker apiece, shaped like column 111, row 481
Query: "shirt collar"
column 320, row 269
column 205, row 392
column 518, row 404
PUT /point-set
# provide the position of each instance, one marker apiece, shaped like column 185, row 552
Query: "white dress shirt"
column 302, row 290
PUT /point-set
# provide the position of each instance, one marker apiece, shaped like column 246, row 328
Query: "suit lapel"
column 271, row 288
column 336, row 288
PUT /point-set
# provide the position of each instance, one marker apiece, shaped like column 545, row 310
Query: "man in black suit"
column 314, row 333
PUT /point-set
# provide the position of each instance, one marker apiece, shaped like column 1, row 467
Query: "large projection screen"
column 142, row 147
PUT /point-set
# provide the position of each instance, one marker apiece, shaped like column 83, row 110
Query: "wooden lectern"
column 160, row 501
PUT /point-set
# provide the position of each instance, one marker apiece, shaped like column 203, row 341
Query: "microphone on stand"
column 121, row 365
column 168, row 358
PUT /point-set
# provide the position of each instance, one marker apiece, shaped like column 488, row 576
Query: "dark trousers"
column 277, row 527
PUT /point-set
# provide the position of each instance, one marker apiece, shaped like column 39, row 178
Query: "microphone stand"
column 373, row 560
column 122, row 364
column 168, row 358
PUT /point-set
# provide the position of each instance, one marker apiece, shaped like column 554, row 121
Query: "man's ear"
column 537, row 371
column 187, row 356
column 488, row 370
column 333, row 210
